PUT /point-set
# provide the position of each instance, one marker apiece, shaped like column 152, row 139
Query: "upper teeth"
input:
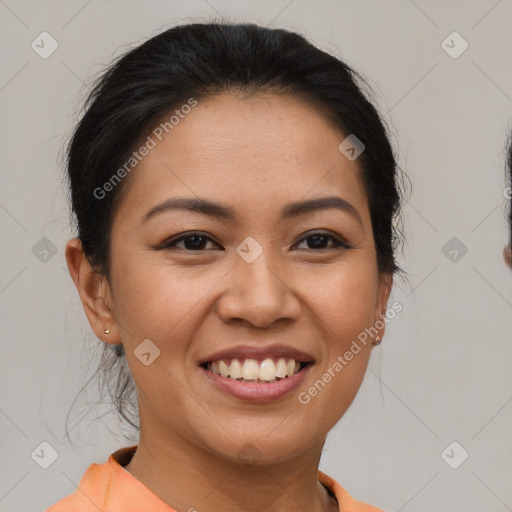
column 251, row 369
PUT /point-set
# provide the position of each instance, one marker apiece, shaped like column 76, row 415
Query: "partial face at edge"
column 507, row 255
column 254, row 156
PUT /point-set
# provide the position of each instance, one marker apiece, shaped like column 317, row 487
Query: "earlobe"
column 91, row 287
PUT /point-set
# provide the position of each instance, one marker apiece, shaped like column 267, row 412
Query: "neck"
column 189, row 478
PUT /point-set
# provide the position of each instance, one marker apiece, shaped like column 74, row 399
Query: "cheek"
column 343, row 304
column 344, row 299
column 159, row 301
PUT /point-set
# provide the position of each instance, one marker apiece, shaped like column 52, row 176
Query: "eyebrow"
column 217, row 210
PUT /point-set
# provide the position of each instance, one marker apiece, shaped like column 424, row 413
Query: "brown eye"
column 318, row 240
column 194, row 241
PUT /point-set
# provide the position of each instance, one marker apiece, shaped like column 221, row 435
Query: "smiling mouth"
column 252, row 370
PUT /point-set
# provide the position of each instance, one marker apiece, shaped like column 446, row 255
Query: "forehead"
column 251, row 151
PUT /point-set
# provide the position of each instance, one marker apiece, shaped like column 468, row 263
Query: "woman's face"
column 254, row 156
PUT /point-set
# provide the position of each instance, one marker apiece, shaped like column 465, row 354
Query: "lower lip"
column 258, row 391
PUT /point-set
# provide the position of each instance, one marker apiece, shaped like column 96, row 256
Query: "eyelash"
column 337, row 242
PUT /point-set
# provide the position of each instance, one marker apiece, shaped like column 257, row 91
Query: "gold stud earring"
column 106, row 331
column 377, row 340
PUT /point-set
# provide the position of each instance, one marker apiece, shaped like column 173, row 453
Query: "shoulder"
column 111, row 488
column 345, row 500
column 90, row 493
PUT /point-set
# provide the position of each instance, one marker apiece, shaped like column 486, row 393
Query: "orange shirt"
column 109, row 487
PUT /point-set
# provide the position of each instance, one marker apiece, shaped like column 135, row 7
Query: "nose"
column 258, row 294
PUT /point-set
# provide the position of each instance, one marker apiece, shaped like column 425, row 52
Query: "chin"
column 259, row 450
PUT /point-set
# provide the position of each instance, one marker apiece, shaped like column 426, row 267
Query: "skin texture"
column 507, row 255
column 270, row 150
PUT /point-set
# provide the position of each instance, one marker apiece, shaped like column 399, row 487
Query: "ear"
column 384, row 290
column 94, row 292
column 507, row 255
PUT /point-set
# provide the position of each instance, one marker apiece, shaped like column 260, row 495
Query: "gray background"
column 443, row 371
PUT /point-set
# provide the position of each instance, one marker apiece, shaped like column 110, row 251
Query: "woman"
column 235, row 195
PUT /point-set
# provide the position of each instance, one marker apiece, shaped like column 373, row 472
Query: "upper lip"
column 258, row 352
